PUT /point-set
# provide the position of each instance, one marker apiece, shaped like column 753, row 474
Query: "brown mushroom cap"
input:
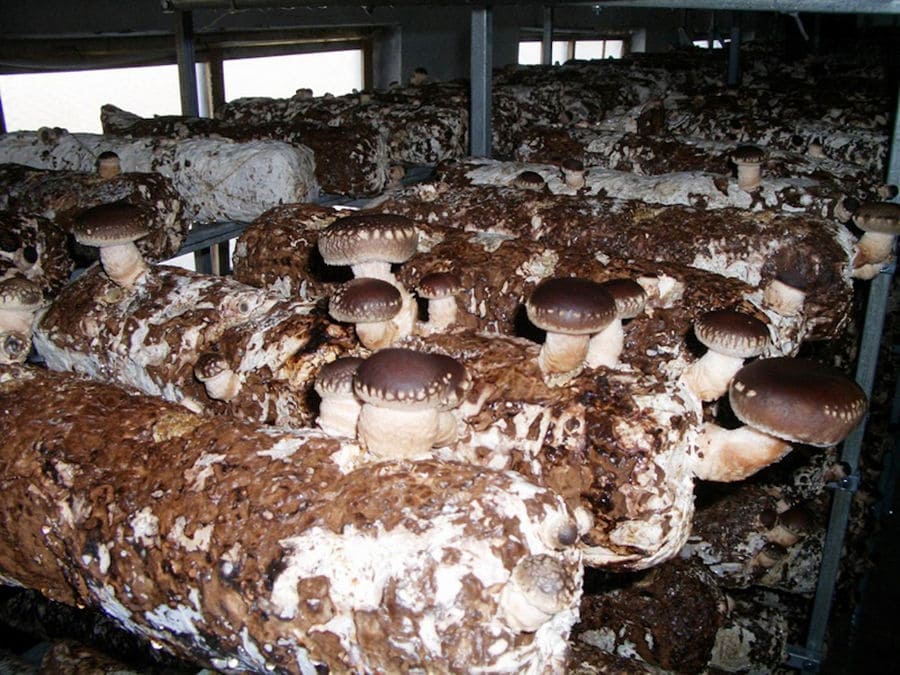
column 544, row 582
column 529, row 180
column 880, row 217
column 365, row 301
column 748, row 154
column 797, row 400
column 732, row 333
column 364, row 237
column 20, row 293
column 14, row 347
column 572, row 164
column 629, row 295
column 210, row 364
column 571, row 306
column 110, row 224
column 405, row 379
column 439, row 285
column 336, row 377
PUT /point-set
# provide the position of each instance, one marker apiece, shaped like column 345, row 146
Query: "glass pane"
column 72, row 100
column 335, row 73
column 614, row 49
column 560, row 52
column 589, row 49
column 529, row 53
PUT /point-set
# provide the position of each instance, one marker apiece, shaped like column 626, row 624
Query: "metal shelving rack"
column 807, row 657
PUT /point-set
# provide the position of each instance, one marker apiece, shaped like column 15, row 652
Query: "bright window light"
column 598, row 49
column 72, row 100
column 530, row 52
column 337, row 73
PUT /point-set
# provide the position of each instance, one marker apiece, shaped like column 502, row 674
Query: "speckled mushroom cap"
column 748, row 154
column 336, row 377
column 545, row 583
column 20, row 293
column 732, row 333
column 110, row 224
column 797, row 400
column 529, row 180
column 571, row 305
column 14, row 346
column 405, row 379
column 439, row 285
column 365, row 300
column 572, row 164
column 881, row 217
column 364, row 237
column 210, row 364
column 629, row 295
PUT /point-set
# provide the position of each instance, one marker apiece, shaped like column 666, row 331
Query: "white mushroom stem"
column 867, row 271
column 398, row 434
column 574, row 179
column 748, row 177
column 223, row 386
column 339, row 413
column 447, row 431
column 375, row 269
column 441, row 315
column 405, row 320
column 533, row 594
column 783, row 299
column 873, row 247
column 729, row 455
column 709, row 376
column 109, row 168
column 378, row 334
column 17, row 320
column 562, row 353
column 605, row 348
column 782, row 535
column 122, row 263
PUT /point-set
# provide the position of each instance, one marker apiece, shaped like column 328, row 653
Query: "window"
column 338, row 72
column 563, row 50
column 72, row 100
column 716, row 44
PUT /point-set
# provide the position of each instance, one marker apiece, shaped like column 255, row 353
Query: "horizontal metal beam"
column 825, row 6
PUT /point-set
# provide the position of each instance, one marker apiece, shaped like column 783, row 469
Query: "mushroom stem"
column 748, row 176
column 338, row 415
column 729, row 455
column 375, row 269
column 223, row 386
column 441, row 315
column 398, row 434
column 446, row 433
column 574, row 179
column 17, row 321
column 873, row 247
column 783, row 299
column 122, row 263
column 378, row 334
column 605, row 347
column 709, row 376
column 562, row 353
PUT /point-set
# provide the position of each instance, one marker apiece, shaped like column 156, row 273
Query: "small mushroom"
column 339, row 408
column 880, row 222
column 108, row 165
column 221, row 382
column 20, row 299
column 529, row 180
column 730, row 337
column 559, row 531
column 419, row 77
column 537, row 589
column 404, row 394
column 440, row 289
column 768, row 556
column 573, row 173
column 114, row 228
column 14, row 346
column 570, row 310
column 370, row 304
column 606, row 346
column 780, row 401
column 790, row 526
column 748, row 159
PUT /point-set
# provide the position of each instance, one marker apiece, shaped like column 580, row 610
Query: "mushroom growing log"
column 258, row 551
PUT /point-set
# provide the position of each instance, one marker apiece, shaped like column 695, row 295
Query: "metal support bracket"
column 846, row 484
column 802, row 659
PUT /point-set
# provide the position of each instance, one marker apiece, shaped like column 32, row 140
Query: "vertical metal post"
column 184, row 52
column 481, row 66
column 216, row 74
column 734, row 52
column 547, row 38
column 876, row 308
